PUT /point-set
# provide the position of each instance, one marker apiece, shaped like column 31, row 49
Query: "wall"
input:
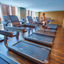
column 58, row 16
column 63, row 23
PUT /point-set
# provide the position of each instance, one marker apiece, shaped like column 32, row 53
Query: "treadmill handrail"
column 18, row 29
column 28, row 25
column 6, row 33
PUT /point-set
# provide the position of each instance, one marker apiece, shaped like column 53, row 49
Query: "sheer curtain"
column 1, row 12
column 27, row 14
column 17, row 11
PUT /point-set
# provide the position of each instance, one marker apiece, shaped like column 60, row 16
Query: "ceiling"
column 37, row 5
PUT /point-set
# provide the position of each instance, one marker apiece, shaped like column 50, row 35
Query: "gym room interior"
column 31, row 31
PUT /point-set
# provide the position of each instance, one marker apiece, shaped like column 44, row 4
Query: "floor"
column 56, row 56
column 57, row 53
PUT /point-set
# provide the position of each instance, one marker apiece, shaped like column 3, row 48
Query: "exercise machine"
column 4, row 59
column 33, row 52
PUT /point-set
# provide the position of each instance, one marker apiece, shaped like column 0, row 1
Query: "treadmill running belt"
column 40, row 39
column 51, row 30
column 31, row 50
column 45, row 33
column 5, row 60
column 53, row 26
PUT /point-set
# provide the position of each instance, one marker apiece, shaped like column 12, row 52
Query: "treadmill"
column 43, row 39
column 7, row 22
column 15, row 21
column 52, row 27
column 47, row 33
column 37, row 23
column 4, row 59
column 51, row 30
column 33, row 52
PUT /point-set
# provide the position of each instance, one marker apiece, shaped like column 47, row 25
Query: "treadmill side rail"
column 15, row 29
column 28, row 25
